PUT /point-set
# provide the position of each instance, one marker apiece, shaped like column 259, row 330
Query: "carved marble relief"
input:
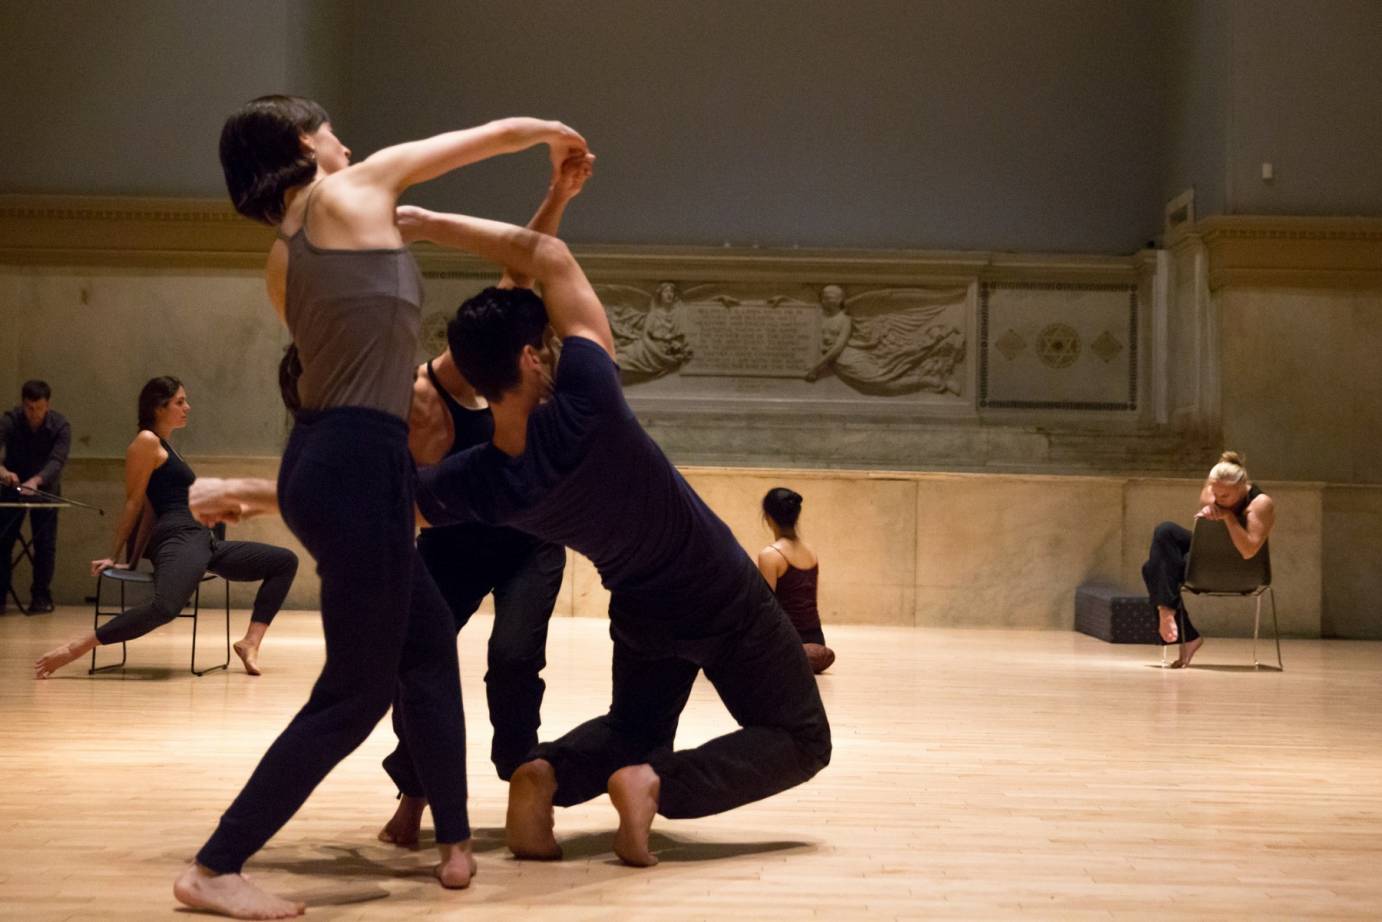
column 1059, row 347
column 893, row 341
column 649, row 329
column 881, row 342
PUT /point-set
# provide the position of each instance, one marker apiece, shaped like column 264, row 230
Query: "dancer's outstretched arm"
column 413, row 162
column 353, row 208
column 572, row 305
column 231, row 499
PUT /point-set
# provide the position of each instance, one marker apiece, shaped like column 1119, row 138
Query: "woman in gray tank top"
column 342, row 279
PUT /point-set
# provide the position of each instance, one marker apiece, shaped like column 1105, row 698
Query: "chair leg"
column 1256, row 624
column 226, row 582
column 96, row 622
column 1180, row 633
column 196, row 612
column 1276, row 632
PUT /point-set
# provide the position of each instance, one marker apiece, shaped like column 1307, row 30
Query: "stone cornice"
column 53, row 230
column 1257, row 251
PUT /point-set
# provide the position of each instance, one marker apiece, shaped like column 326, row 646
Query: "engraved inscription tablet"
column 748, row 339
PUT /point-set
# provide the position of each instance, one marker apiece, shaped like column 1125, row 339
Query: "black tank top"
column 169, row 483
column 471, row 427
column 1241, row 510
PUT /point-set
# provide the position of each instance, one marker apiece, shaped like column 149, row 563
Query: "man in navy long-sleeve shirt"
column 36, row 441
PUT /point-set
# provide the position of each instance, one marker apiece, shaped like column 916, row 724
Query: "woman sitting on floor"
column 791, row 569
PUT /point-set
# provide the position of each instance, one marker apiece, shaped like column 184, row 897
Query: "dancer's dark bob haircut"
column 488, row 334
column 262, row 154
column 156, row 393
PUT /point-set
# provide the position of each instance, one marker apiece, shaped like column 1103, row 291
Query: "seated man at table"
column 35, row 440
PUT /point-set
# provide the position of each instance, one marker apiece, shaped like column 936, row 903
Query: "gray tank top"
column 355, row 317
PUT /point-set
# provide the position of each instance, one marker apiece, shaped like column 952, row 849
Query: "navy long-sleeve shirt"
column 42, row 451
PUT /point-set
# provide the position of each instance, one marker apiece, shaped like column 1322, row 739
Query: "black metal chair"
column 1216, row 568
column 134, row 552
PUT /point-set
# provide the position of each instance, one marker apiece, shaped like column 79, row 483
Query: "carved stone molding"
column 1292, row 252
column 137, row 232
column 64, row 230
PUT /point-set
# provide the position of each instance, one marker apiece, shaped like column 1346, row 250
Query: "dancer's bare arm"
column 354, row 208
column 771, row 564
column 230, row 499
column 572, row 305
column 1249, row 537
column 568, row 178
column 143, row 455
column 408, row 164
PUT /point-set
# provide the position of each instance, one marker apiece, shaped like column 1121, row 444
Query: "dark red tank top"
column 796, row 593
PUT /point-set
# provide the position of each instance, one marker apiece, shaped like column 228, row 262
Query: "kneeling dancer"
column 570, row 463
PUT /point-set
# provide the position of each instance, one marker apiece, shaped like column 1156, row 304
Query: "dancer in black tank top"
column 570, row 462
column 1230, row 497
column 181, row 548
column 469, row 562
column 342, row 279
column 791, row 569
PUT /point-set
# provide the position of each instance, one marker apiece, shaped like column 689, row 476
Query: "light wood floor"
column 977, row 774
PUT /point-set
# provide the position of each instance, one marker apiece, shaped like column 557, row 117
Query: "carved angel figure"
column 650, row 340
column 895, row 341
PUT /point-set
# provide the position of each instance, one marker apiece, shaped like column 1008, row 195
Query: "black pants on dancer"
column 346, row 487
column 43, row 526
column 182, row 550
column 1164, row 571
column 752, row 656
column 468, row 562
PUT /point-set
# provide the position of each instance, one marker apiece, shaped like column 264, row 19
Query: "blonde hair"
column 1230, row 469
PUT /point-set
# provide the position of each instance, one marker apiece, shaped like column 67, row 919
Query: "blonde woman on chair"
column 1229, row 496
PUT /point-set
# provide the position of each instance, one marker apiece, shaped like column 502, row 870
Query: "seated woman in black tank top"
column 790, row 567
column 1230, row 497
column 181, row 548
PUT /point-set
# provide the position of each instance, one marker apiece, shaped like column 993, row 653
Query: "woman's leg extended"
column 345, row 495
column 179, row 561
column 247, row 561
column 433, row 721
column 450, row 558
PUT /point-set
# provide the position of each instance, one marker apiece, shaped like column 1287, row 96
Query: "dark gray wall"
column 128, row 98
column 1197, row 74
column 1306, row 97
column 1034, row 125
column 981, row 123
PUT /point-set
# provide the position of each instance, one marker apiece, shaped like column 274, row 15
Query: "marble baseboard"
column 945, row 549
